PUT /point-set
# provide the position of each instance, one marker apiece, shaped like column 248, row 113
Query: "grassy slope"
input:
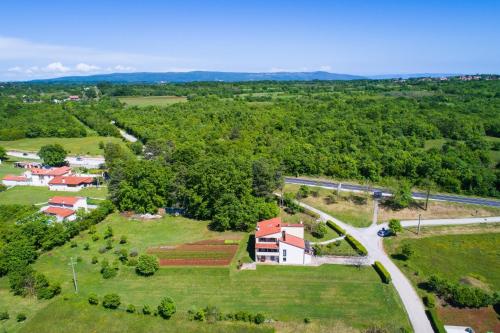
column 29, row 195
column 348, row 212
column 7, row 168
column 151, row 100
column 74, row 146
column 346, row 294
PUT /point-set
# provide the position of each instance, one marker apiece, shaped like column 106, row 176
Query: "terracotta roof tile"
column 70, row 201
column 62, row 212
column 293, row 240
column 71, row 180
column 15, row 178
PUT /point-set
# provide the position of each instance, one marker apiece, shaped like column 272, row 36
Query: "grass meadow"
column 30, row 195
column 151, row 100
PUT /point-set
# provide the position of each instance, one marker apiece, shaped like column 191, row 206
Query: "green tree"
column 166, row 309
column 319, row 230
column 407, row 251
column 401, row 196
column 111, row 301
column 395, row 226
column 3, row 154
column 147, row 265
column 53, row 155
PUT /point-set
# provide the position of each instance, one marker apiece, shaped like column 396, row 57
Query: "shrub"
column 384, row 274
column 111, row 301
column 331, row 199
column 131, row 308
column 134, row 253
column 430, row 301
column 395, row 226
column 310, row 213
column 123, row 239
column 92, row 230
column 146, row 309
column 147, row 265
column 106, row 270
column 336, row 228
column 95, row 237
column 73, row 244
column 166, row 309
column 93, row 299
column 437, row 325
column 360, row 249
column 303, row 192
column 21, row 317
column 108, row 233
column 307, row 320
column 94, row 260
column 102, row 250
column 86, row 246
column 49, row 291
column 199, row 315
column 460, row 295
column 132, row 262
column 319, row 230
column 4, row 315
column 109, row 244
column 259, row 318
column 123, row 255
column 407, row 251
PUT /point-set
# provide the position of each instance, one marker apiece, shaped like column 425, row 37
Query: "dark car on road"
column 384, row 232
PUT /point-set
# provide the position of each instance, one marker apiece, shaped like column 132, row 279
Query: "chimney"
column 283, row 233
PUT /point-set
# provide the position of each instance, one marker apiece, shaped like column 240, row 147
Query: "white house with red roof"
column 73, row 203
column 60, row 213
column 281, row 243
column 42, row 177
column 13, row 180
column 70, row 183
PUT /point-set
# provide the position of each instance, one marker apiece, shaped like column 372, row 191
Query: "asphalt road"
column 416, row 195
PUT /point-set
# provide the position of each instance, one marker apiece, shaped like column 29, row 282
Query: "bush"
column 49, row 292
column 336, row 228
column 436, row 324
column 259, row 318
column 94, row 260
column 108, row 233
column 93, row 299
column 395, row 226
column 131, row 308
column 384, row 274
column 310, row 213
column 4, row 315
column 360, row 249
column 460, row 295
column 21, row 317
column 303, row 192
column 146, row 309
column 123, row 255
column 111, row 301
column 307, row 320
column 132, row 262
column 331, row 199
column 407, row 251
column 134, row 253
column 107, row 271
column 95, row 237
column 123, row 239
column 430, row 301
column 147, row 265
column 73, row 244
column 109, row 244
column 166, row 309
column 86, row 246
column 319, row 230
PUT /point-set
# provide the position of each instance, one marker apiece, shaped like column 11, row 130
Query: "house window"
column 284, row 253
column 284, row 259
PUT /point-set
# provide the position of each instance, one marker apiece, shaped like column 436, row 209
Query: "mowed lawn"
column 152, row 100
column 30, row 195
column 7, row 168
column 74, row 146
column 329, row 294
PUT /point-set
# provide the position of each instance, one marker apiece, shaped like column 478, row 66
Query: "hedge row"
column 436, row 324
column 356, row 245
column 384, row 274
column 335, row 227
column 310, row 213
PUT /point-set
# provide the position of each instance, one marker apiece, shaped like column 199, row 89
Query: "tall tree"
column 53, row 155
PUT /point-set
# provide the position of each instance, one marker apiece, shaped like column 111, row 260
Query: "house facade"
column 74, row 203
column 59, row 213
column 70, row 183
column 42, row 177
column 12, row 180
column 281, row 243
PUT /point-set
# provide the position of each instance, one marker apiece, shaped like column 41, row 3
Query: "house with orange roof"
column 60, row 213
column 73, row 203
column 42, row 177
column 13, row 180
column 70, row 183
column 281, row 243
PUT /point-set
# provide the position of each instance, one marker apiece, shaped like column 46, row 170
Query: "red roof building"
column 71, row 180
column 64, row 201
column 15, row 178
column 51, row 172
column 60, row 213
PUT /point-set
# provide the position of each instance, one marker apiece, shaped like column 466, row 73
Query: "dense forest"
column 222, row 154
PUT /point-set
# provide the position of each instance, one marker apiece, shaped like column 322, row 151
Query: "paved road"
column 416, row 195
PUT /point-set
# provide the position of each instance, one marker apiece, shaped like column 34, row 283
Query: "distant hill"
column 409, row 76
column 149, row 77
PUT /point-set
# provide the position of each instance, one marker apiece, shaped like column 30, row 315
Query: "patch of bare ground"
column 481, row 320
column 313, row 327
column 450, row 230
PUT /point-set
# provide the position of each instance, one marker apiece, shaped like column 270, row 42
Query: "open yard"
column 466, row 258
column 152, row 100
column 74, row 146
column 331, row 295
column 348, row 208
column 7, row 168
column 30, row 195
column 309, row 223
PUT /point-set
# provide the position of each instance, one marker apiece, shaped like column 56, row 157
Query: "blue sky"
column 56, row 38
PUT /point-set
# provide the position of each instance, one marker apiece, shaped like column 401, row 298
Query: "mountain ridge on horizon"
column 197, row 76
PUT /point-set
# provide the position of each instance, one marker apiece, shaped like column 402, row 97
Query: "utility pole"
column 72, row 264
column 427, row 199
column 418, row 229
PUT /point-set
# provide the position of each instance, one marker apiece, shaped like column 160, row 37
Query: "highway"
column 385, row 192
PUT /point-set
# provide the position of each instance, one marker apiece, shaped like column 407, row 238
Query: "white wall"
column 13, row 183
column 276, row 235
column 294, row 231
column 65, row 188
column 294, row 255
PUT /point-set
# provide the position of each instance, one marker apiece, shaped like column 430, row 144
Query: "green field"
column 74, row 146
column 152, row 100
column 7, row 168
column 30, row 195
column 329, row 294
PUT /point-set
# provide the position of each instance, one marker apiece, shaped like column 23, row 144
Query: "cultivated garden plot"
column 216, row 252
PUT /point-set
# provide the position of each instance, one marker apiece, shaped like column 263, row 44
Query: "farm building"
column 281, row 243
column 70, row 183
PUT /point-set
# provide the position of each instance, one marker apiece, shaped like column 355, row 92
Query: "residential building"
column 70, row 183
column 59, row 213
column 73, row 203
column 12, row 180
column 42, row 177
column 281, row 243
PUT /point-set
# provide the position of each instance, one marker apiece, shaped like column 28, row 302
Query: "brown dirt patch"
column 481, row 320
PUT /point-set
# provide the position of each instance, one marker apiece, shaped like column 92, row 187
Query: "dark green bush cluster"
column 356, row 245
column 111, row 301
column 147, row 265
column 461, row 295
column 212, row 314
column 107, row 271
column 384, row 274
column 20, row 278
column 93, row 299
column 319, row 230
column 4, row 315
column 336, row 228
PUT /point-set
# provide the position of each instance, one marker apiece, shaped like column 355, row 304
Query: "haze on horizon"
column 44, row 40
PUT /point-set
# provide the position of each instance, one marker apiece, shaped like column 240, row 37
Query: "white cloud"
column 56, row 67
column 122, row 68
column 86, row 68
column 16, row 69
column 325, row 68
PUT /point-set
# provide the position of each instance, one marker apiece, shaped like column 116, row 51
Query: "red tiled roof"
column 266, row 246
column 70, row 201
column 293, row 240
column 51, row 172
column 62, row 212
column 71, row 180
column 268, row 227
column 15, row 178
